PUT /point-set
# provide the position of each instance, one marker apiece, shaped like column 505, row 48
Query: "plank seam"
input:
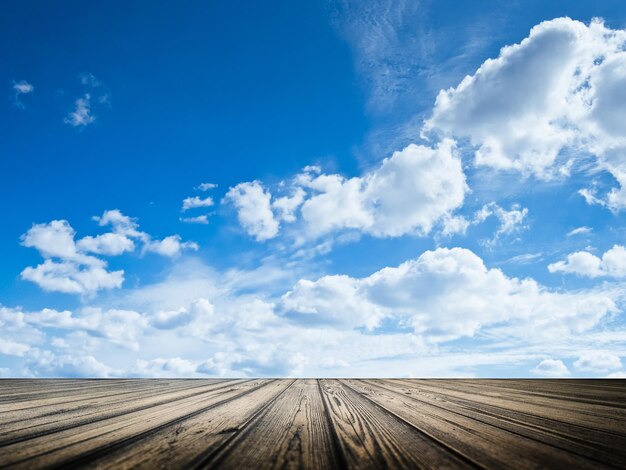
column 213, row 457
column 437, row 441
column 80, row 460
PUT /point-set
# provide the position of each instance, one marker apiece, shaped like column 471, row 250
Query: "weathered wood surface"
column 308, row 423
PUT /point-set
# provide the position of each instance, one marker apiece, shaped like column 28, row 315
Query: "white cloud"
column 82, row 115
column 511, row 221
column 12, row 348
column 51, row 365
column 408, row 193
column 286, row 206
column 21, row 88
column 89, row 330
column 200, row 219
column 54, row 239
column 207, row 186
column 89, row 79
column 122, row 224
column 590, row 197
column 94, row 99
column 337, row 203
column 201, row 322
column 254, row 210
column 580, row 231
column 123, row 327
column 334, row 300
column 128, row 227
column 68, row 267
column 598, row 361
column 169, row 246
column 617, row 375
column 195, row 201
column 166, row 367
column 583, row 263
column 445, row 294
column 453, row 225
column 73, row 278
column 556, row 95
column 551, row 368
column 110, row 244
column 76, row 272
column 525, row 258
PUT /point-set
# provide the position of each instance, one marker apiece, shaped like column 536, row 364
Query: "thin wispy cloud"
column 19, row 89
column 83, row 113
column 199, row 219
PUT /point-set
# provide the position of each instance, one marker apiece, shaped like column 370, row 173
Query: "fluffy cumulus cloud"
column 408, row 193
column 169, row 246
column 195, row 202
column 598, row 361
column 70, row 265
column 207, row 186
column 127, row 227
column 582, row 263
column 110, row 244
column 556, row 96
column 254, row 210
column 47, row 364
column 446, row 294
column 335, row 300
column 66, row 267
column 12, row 348
column 73, row 278
column 551, row 368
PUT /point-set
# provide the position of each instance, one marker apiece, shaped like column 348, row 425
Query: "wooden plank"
column 191, row 442
column 28, row 389
column 370, row 437
column 42, row 405
column 537, row 423
column 31, row 423
column 293, row 432
column 69, row 444
column 566, row 392
column 599, row 418
column 484, row 443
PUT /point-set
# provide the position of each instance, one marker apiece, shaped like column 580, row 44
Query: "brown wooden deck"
column 165, row 423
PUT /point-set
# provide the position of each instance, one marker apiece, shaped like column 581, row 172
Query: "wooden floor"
column 313, row 423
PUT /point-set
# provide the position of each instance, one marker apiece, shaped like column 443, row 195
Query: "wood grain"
column 309, row 423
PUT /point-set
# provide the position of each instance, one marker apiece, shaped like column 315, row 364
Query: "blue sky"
column 321, row 189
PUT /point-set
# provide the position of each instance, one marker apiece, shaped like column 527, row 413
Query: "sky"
column 313, row 189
